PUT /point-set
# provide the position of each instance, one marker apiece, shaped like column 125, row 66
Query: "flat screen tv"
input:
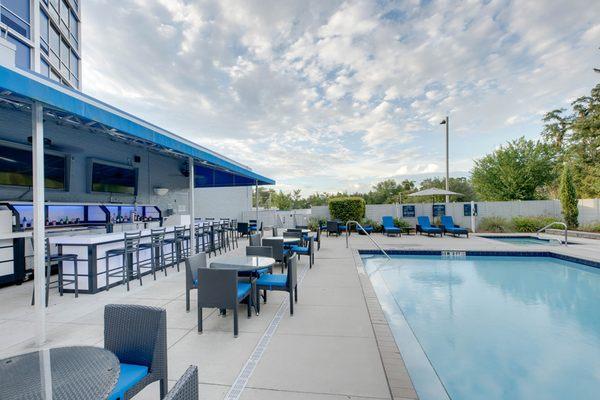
column 113, row 178
column 16, row 167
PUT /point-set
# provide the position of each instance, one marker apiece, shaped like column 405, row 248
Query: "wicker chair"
column 191, row 274
column 186, row 387
column 137, row 335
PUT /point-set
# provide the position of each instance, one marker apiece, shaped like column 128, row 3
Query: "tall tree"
column 568, row 198
column 459, row 185
column 518, row 170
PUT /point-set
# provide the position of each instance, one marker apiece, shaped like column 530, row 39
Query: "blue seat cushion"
column 299, row 249
column 457, row 230
column 286, row 252
column 430, row 229
column 391, row 229
column 272, row 280
column 130, row 375
column 243, row 289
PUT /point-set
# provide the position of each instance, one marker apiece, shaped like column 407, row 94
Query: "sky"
column 338, row 95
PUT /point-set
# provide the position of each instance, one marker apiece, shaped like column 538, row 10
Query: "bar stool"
column 224, row 226
column 60, row 282
column 131, row 245
column 157, row 252
column 233, row 233
column 177, row 243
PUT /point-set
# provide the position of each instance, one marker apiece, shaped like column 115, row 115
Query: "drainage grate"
column 235, row 391
column 454, row 254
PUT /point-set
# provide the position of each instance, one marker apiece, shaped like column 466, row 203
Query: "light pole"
column 447, row 123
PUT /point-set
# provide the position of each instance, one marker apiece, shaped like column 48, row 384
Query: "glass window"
column 44, row 31
column 65, row 54
column 64, row 13
column 54, row 76
column 54, row 9
column 54, row 45
column 45, row 70
column 23, row 56
column 15, row 14
column 73, row 27
column 74, row 65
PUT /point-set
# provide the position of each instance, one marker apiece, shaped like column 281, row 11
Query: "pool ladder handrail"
column 555, row 223
column 369, row 236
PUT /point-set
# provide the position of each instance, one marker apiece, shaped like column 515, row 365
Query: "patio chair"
column 186, row 388
column 259, row 251
column 280, row 253
column 333, row 228
column 243, row 228
column 307, row 250
column 451, row 227
column 192, row 264
column 316, row 238
column 255, row 239
column 424, row 226
column 389, row 228
column 61, row 282
column 286, row 283
column 220, row 288
column 275, row 231
column 137, row 335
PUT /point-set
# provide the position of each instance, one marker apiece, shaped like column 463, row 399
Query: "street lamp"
column 447, row 123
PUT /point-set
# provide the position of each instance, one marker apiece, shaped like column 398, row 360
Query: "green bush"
column 593, row 227
column 401, row 223
column 531, row 224
column 494, row 224
column 313, row 224
column 347, row 208
column 568, row 197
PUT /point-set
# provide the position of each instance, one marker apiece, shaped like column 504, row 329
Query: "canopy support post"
column 39, row 221
column 256, row 202
column 192, row 205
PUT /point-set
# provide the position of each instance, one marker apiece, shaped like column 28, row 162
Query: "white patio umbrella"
column 433, row 192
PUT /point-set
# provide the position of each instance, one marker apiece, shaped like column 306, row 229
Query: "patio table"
column 286, row 240
column 304, row 231
column 76, row 373
column 243, row 263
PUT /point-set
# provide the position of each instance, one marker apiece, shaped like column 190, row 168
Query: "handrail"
column 369, row 236
column 555, row 223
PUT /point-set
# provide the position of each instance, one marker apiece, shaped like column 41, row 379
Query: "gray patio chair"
column 191, row 274
column 220, row 288
column 308, row 250
column 280, row 253
column 255, row 239
column 286, row 283
column 333, row 228
column 137, row 335
column 275, row 231
column 186, row 388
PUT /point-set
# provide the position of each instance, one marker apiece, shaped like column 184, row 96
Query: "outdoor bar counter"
column 91, row 257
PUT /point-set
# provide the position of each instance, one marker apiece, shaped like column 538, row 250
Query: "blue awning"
column 212, row 169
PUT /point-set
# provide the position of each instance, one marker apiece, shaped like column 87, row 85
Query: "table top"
column 243, row 263
column 304, row 231
column 77, row 373
column 286, row 240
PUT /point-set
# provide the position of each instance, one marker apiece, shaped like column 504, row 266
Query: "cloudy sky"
column 337, row 95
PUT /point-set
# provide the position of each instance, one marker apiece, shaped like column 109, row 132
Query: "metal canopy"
column 18, row 89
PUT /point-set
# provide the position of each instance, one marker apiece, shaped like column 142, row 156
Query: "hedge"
column 347, row 208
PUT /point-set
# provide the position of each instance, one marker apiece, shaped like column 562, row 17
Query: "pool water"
column 525, row 240
column 493, row 327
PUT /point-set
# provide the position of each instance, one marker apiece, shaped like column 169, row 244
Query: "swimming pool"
column 493, row 327
column 526, row 240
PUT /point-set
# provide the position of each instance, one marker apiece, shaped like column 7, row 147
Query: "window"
column 54, row 76
column 45, row 70
column 23, row 56
column 15, row 14
column 44, row 31
column 73, row 27
column 16, row 167
column 64, row 14
column 74, row 67
column 54, row 9
column 65, row 54
column 54, row 46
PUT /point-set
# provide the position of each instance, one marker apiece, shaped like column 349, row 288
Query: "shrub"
column 593, row 227
column 494, row 224
column 347, row 208
column 531, row 224
column 313, row 224
column 568, row 198
column 401, row 223
column 376, row 225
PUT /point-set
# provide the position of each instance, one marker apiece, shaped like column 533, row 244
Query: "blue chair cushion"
column 272, row 280
column 391, row 229
column 195, row 282
column 243, row 289
column 299, row 249
column 130, row 375
column 286, row 252
column 430, row 229
column 342, row 227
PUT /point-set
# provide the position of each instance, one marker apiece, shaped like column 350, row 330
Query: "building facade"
column 59, row 43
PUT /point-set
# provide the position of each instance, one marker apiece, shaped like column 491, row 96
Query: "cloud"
column 340, row 94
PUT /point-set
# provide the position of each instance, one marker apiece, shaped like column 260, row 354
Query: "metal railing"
column 369, row 236
column 555, row 223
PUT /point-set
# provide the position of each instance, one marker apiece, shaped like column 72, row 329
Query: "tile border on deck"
column 396, row 373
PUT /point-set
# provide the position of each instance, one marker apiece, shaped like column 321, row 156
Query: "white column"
column 447, row 157
column 192, row 206
column 256, row 204
column 473, row 216
column 35, row 36
column 39, row 220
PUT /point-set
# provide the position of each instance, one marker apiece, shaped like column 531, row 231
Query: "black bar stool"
column 61, row 281
column 131, row 246
column 177, row 243
column 157, row 252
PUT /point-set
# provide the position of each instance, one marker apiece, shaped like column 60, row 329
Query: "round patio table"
column 304, row 231
column 286, row 240
column 243, row 263
column 76, row 373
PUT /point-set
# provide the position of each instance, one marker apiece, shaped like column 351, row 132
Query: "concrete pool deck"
column 336, row 346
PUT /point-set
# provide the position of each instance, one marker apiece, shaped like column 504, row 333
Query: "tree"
column 458, row 185
column 518, row 170
column 568, row 198
column 387, row 192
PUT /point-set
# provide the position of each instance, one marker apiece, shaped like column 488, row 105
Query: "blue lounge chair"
column 451, row 227
column 424, row 226
column 388, row 226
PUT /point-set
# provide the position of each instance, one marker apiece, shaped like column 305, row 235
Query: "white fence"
column 589, row 210
column 284, row 219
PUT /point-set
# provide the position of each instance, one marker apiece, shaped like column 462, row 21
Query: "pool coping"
column 399, row 381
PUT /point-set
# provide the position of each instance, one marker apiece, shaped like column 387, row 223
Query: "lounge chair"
column 424, row 226
column 451, row 227
column 389, row 228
